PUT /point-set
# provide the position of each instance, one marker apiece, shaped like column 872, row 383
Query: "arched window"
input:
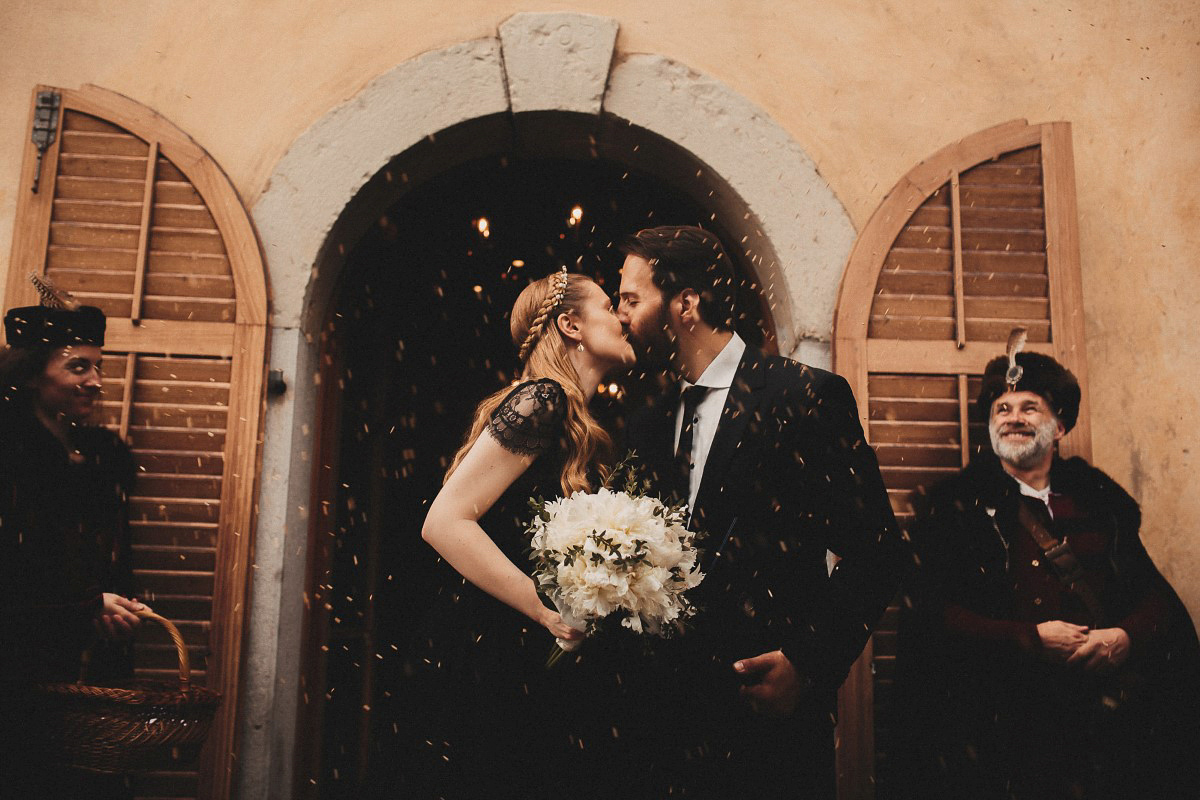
column 131, row 215
column 978, row 239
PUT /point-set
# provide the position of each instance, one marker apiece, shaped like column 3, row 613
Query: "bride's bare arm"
column 452, row 528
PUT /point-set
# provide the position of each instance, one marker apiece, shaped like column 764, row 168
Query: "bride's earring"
column 581, row 347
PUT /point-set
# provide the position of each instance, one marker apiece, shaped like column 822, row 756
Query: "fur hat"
column 59, row 321
column 1039, row 374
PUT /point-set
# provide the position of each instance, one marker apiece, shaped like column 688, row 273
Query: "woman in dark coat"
column 64, row 541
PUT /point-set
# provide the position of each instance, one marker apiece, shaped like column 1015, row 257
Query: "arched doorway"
column 416, row 336
column 443, row 109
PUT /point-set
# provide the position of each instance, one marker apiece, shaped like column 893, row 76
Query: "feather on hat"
column 1030, row 372
column 59, row 320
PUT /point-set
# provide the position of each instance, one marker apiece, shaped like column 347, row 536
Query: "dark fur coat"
column 987, row 715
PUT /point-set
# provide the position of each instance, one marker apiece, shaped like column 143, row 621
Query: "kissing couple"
column 769, row 455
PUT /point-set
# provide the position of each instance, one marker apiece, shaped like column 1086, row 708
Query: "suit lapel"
column 743, row 400
column 656, row 445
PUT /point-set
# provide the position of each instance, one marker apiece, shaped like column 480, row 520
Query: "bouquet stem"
column 556, row 654
column 564, row 646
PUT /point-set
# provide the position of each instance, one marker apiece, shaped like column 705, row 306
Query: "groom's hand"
column 770, row 682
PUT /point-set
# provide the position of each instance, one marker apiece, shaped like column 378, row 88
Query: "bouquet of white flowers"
column 605, row 552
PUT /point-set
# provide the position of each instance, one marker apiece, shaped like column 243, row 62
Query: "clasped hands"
column 117, row 616
column 1100, row 650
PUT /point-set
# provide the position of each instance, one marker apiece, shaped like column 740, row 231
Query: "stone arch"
column 541, row 71
column 562, row 62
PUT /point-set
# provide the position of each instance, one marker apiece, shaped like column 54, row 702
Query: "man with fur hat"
column 1046, row 655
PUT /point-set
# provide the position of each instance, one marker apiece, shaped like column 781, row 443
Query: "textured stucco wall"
column 867, row 89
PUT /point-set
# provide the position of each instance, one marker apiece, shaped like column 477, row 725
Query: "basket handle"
column 185, row 670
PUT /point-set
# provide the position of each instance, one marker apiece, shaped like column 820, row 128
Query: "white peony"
column 605, row 552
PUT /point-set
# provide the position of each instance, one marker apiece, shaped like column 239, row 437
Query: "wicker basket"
column 123, row 729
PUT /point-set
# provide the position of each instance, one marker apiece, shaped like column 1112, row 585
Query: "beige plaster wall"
column 868, row 88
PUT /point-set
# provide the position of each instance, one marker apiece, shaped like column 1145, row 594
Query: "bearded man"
column 1047, row 657
column 771, row 459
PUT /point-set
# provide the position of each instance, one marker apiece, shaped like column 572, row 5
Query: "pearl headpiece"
column 552, row 301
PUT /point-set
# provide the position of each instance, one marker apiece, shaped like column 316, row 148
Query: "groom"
column 772, row 460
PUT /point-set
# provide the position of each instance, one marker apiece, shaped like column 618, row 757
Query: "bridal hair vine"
column 1016, row 342
column 553, row 300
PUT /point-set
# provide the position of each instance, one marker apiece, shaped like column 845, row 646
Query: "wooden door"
column 976, row 240
column 131, row 215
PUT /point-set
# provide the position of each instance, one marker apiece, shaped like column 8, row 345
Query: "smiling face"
column 604, row 339
column 69, row 386
column 643, row 312
column 1023, row 429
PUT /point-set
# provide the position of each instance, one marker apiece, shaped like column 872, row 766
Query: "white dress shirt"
column 1040, row 494
column 717, row 378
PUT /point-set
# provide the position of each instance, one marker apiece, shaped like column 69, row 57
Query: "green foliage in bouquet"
column 615, row 550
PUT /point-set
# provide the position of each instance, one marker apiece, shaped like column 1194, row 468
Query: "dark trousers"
column 747, row 755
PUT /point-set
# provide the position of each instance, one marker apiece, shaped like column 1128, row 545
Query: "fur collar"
column 984, row 478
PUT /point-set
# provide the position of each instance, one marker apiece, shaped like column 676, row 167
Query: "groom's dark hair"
column 686, row 257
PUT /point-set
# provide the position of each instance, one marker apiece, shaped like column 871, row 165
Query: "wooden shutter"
column 976, row 240
column 133, row 216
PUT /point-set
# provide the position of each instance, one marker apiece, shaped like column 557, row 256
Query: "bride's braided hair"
column 543, row 354
column 553, row 300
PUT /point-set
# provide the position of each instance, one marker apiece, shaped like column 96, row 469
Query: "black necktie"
column 683, row 454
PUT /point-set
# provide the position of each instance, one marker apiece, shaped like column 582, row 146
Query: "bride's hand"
column 553, row 622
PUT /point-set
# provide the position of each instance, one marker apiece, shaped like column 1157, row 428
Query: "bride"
column 536, row 438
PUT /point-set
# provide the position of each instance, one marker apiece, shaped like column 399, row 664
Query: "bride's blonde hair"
column 542, row 350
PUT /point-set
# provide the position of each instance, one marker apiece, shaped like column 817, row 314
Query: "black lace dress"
column 488, row 701
column 494, row 721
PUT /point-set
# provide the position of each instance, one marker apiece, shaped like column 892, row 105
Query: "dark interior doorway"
column 419, row 334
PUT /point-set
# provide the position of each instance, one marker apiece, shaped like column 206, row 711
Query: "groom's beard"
column 655, row 346
column 1027, row 453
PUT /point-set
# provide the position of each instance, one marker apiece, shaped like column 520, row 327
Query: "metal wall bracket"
column 276, row 385
column 45, row 128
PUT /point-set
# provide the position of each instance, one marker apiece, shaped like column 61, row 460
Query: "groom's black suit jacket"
column 789, row 476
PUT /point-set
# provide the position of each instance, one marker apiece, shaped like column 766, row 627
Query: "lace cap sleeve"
column 530, row 419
